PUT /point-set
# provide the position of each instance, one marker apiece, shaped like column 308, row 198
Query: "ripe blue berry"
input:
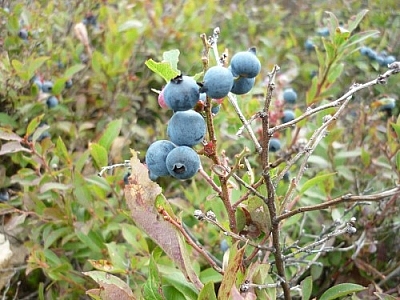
column 156, row 156
column 286, row 176
column 389, row 60
column 323, row 31
column 288, row 115
column 23, row 34
column 242, row 85
column 186, row 128
column 183, row 162
column 68, row 84
column 126, row 178
column 380, row 60
column 215, row 109
column 181, row 93
column 309, row 45
column 246, row 64
column 364, row 50
column 274, row 145
column 217, row 83
column 4, row 195
column 47, row 86
column 289, row 95
column 51, row 102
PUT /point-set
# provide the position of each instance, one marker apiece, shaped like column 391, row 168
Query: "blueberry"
column 289, row 95
column 186, row 128
column 183, row 162
column 274, row 145
column 364, row 50
column 52, row 101
column 90, row 19
column 286, row 176
column 47, row 86
column 215, row 109
column 389, row 60
column 156, row 157
column 387, row 104
column 126, row 178
column 372, row 54
column 323, row 31
column 23, row 34
column 68, row 84
column 181, row 93
column 380, row 60
column 4, row 196
column 246, row 64
column 242, row 85
column 288, row 115
column 38, row 83
column 218, row 82
column 223, row 245
column 309, row 45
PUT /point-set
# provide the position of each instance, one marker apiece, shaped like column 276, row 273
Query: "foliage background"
column 68, row 220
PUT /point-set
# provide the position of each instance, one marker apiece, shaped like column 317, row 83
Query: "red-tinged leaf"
column 229, row 279
column 12, row 147
column 111, row 287
column 141, row 195
column 8, row 135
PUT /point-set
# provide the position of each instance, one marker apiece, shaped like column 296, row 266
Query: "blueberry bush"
column 187, row 150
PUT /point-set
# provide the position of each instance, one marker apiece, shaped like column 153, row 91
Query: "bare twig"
column 342, row 199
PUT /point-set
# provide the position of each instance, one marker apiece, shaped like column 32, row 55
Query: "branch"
column 394, row 68
column 345, row 198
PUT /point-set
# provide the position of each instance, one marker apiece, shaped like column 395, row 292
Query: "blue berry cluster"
column 382, row 58
column 187, row 128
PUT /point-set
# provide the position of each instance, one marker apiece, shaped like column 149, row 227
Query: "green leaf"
column 341, row 290
column 55, row 235
column 396, row 128
column 152, row 289
column 164, row 69
column 178, row 281
column 398, row 160
column 314, row 181
column 208, row 292
column 130, row 24
column 6, row 119
column 33, row 124
column 99, row 155
column 359, row 37
column 383, row 296
column 18, row 66
column 110, row 133
column 306, row 288
column 71, row 71
column 62, row 150
column 335, row 72
column 172, row 57
column 330, row 52
column 353, row 23
column 90, row 240
column 35, row 64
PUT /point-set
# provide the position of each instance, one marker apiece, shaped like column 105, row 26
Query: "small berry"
column 274, row 145
column 156, row 158
column 215, row 109
column 289, row 95
column 68, row 84
column 218, row 82
column 186, row 128
column 245, row 64
column 323, row 31
column 286, row 176
column 23, row 34
column 51, row 102
column 4, row 195
column 47, row 86
column 288, row 115
column 183, row 162
column 126, row 178
column 364, row 50
column 380, row 60
column 389, row 60
column 309, row 45
column 242, row 85
column 181, row 93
